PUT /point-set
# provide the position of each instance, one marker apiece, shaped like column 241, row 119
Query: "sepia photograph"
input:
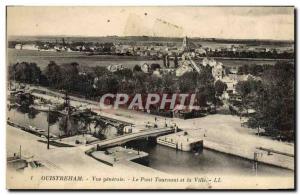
column 150, row 97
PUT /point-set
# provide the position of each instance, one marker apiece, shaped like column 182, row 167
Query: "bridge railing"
column 130, row 134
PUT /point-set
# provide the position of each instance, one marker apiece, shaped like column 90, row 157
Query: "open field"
column 42, row 58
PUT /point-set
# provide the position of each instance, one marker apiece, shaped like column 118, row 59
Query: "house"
column 167, row 71
column 231, row 84
column 30, row 47
column 145, row 68
column 183, row 69
column 18, row 46
column 200, row 51
column 157, row 73
column 233, row 70
column 114, row 68
column 209, row 62
column 217, row 71
column 216, row 67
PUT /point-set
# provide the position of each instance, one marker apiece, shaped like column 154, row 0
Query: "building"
column 27, row 47
column 167, row 71
column 114, row 68
column 231, row 84
column 200, row 51
column 185, row 67
column 18, row 46
column 157, row 73
column 185, row 46
column 209, row 62
column 218, row 71
column 145, row 68
column 216, row 67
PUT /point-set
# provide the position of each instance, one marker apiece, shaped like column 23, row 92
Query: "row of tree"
column 254, row 69
column 98, row 81
column 272, row 98
column 251, row 54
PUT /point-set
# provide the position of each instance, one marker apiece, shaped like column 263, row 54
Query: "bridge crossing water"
column 153, row 132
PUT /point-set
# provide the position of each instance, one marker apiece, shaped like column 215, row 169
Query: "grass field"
column 42, row 58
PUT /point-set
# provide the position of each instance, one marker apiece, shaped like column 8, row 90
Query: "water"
column 168, row 159
column 39, row 119
column 171, row 161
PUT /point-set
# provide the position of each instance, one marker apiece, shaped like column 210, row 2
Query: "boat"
column 40, row 130
column 36, row 129
column 43, row 108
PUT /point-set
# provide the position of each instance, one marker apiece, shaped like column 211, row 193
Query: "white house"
column 116, row 67
column 18, row 46
column 217, row 71
column 183, row 69
column 145, row 68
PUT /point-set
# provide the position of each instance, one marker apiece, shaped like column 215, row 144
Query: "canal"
column 167, row 159
column 206, row 161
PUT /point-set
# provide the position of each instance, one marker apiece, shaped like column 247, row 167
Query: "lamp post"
column 48, row 131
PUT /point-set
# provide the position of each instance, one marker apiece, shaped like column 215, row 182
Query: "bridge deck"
column 132, row 136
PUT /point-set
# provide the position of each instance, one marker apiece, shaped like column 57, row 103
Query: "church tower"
column 185, row 44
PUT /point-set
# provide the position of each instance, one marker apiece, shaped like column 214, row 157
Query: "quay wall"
column 275, row 159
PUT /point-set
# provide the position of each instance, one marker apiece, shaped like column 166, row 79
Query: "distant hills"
column 148, row 39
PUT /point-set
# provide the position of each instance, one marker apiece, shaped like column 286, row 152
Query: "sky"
column 275, row 23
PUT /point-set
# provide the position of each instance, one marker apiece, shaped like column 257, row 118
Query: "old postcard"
column 154, row 98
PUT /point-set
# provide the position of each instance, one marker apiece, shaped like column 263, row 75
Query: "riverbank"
column 72, row 162
column 63, row 160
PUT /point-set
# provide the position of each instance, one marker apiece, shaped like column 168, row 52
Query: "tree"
column 243, row 88
column 25, row 72
column 139, row 82
column 24, row 99
column 53, row 74
column 124, row 74
column 244, row 69
column 164, row 60
column 278, row 102
column 107, row 84
column 154, row 66
column 137, row 68
column 248, row 90
column 274, row 101
column 187, row 82
column 175, row 61
column 220, row 87
column 168, row 84
column 167, row 63
column 35, row 73
column 256, row 69
column 85, row 86
column 68, row 125
column 100, row 71
column 70, row 76
column 202, row 84
column 205, row 83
